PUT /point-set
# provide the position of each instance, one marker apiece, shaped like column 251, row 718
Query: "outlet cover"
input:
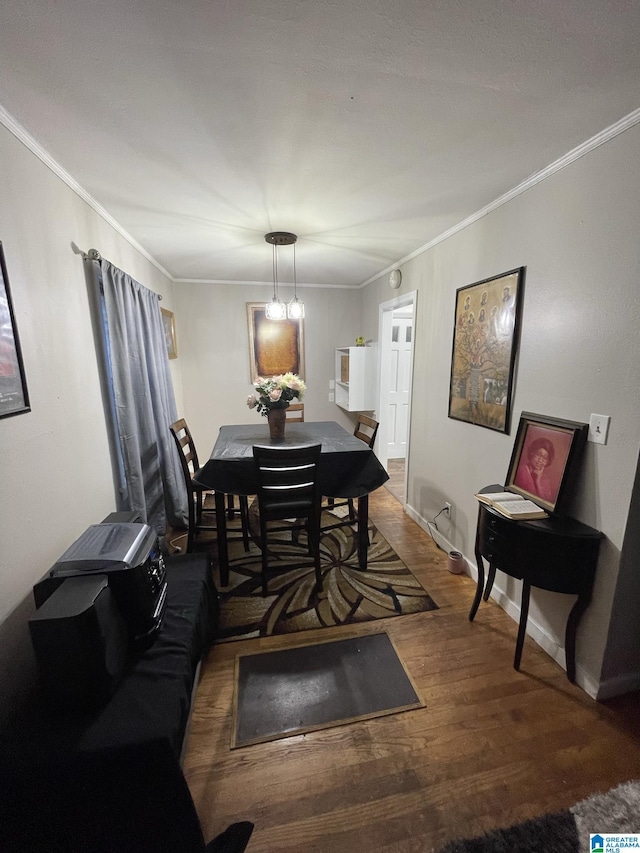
column 599, row 428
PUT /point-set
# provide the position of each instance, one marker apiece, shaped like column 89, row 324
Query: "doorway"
column 396, row 332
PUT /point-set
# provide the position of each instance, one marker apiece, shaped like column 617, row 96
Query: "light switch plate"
column 599, row 428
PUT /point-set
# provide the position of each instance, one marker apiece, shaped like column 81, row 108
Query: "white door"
column 400, row 308
column 399, row 383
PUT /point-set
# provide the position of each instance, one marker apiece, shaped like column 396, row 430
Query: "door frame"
column 385, row 319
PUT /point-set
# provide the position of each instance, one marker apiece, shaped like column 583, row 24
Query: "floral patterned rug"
column 349, row 595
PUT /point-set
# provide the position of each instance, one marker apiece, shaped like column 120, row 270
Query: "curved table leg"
column 524, row 613
column 479, row 587
column 570, row 635
column 490, row 580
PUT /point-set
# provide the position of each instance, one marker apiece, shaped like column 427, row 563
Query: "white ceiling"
column 368, row 127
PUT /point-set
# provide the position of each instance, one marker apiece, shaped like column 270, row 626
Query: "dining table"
column 348, row 468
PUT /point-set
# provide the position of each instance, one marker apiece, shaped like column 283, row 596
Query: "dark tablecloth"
column 348, row 467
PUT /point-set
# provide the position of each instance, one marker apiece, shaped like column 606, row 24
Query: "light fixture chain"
column 273, row 268
column 295, row 282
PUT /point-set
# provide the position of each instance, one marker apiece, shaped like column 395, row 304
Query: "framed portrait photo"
column 275, row 346
column 545, row 458
column 485, row 341
column 169, row 324
column 14, row 398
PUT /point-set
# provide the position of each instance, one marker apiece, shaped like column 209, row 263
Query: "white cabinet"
column 356, row 378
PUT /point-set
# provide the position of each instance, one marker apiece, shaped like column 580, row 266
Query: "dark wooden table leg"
column 479, row 587
column 231, row 507
column 491, row 578
column 522, row 628
column 570, row 635
column 363, row 530
column 221, row 535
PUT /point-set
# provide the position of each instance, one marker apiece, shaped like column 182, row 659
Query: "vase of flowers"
column 272, row 398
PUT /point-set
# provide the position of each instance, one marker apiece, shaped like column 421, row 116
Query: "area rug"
column 349, row 595
column 614, row 813
column 290, row 691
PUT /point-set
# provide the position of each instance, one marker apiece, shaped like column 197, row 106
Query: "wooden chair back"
column 196, row 494
column 186, row 449
column 189, row 465
column 295, row 412
column 288, row 488
column 366, row 429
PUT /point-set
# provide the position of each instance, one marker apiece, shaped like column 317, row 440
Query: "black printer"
column 103, row 599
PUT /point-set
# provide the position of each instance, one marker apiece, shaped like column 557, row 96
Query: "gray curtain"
column 140, row 399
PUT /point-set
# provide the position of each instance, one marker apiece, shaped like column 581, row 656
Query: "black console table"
column 555, row 554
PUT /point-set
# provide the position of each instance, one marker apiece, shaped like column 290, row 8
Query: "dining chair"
column 288, row 489
column 295, row 413
column 196, row 494
column 366, row 430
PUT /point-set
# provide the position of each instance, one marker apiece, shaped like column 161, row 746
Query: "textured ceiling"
column 368, row 127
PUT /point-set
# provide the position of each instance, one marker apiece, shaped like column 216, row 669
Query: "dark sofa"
column 111, row 780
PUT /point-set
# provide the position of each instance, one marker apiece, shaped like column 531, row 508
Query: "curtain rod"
column 94, row 255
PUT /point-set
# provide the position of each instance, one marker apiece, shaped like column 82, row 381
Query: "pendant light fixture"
column 276, row 309
column 295, row 308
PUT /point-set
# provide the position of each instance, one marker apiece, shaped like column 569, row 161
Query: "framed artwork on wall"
column 169, row 323
column 545, row 458
column 275, row 346
column 14, row 397
column 485, row 340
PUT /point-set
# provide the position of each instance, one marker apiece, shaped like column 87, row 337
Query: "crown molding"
column 42, row 154
column 591, row 144
column 268, row 284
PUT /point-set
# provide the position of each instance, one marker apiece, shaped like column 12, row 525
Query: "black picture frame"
column 555, row 446
column 14, row 397
column 486, row 332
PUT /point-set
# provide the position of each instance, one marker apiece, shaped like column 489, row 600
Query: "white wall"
column 577, row 235
column 56, row 473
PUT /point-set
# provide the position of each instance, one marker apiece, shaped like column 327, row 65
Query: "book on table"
column 512, row 506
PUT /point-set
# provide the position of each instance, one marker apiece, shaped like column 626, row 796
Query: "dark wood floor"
column 492, row 746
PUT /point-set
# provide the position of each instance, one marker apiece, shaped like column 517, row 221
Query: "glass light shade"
column 295, row 309
column 275, row 310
